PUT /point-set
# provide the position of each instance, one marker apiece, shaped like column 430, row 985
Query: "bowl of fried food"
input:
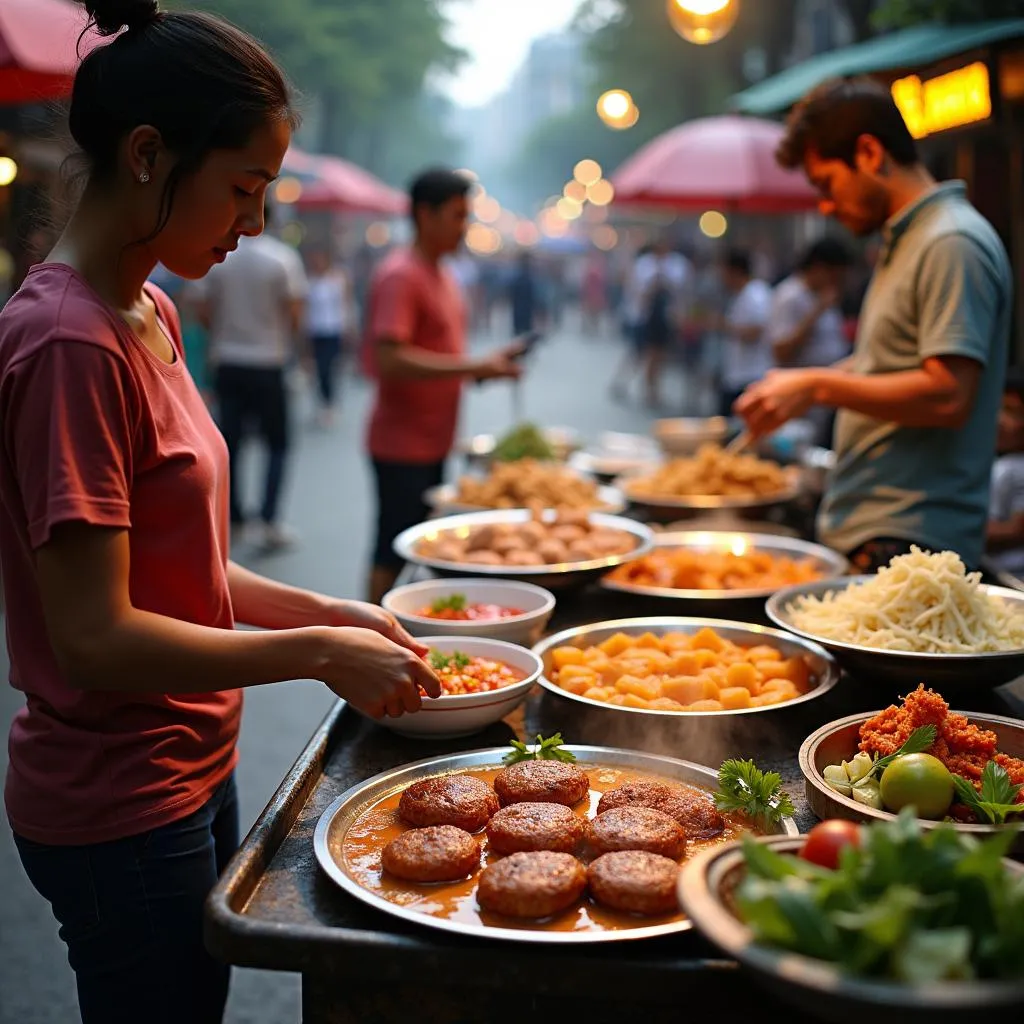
column 698, row 566
column 525, row 483
column 887, row 922
column 921, row 617
column 712, row 479
column 542, row 546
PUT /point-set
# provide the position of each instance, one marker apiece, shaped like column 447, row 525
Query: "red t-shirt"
column 96, row 428
column 414, row 302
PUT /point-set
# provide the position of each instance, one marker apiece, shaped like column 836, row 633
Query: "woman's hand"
column 370, row 616
column 374, row 674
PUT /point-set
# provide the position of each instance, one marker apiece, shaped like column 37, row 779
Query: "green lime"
column 920, row 781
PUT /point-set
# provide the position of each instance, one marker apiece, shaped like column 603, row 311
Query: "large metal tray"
column 662, row 504
column 445, row 498
column 340, row 816
column 829, row 563
column 551, row 576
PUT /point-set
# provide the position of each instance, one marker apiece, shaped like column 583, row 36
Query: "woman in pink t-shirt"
column 121, row 599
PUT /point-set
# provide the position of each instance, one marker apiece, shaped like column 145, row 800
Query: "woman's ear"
column 145, row 152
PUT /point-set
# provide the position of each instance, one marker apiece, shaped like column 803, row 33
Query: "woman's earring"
column 144, row 178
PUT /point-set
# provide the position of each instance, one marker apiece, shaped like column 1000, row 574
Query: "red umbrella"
column 38, row 48
column 330, row 183
column 714, row 163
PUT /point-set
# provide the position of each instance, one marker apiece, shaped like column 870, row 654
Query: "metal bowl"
column 827, row 562
column 659, row 504
column 821, row 664
column 684, row 435
column 340, row 815
column 948, row 673
column 479, row 449
column 445, row 498
column 554, row 577
column 818, row 987
column 837, row 742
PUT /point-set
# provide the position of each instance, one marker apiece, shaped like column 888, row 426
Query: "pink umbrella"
column 330, row 183
column 714, row 163
column 38, row 48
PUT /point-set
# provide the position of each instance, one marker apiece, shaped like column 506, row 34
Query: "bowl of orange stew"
column 497, row 609
column 483, row 681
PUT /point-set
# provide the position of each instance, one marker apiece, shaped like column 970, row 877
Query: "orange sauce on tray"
column 378, row 824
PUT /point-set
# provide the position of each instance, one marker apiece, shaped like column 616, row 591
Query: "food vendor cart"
column 275, row 909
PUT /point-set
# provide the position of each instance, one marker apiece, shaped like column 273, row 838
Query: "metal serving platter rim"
column 776, row 604
column 354, row 800
column 405, row 544
column 831, row 676
column 444, row 496
column 712, row 501
column 812, row 777
column 836, row 563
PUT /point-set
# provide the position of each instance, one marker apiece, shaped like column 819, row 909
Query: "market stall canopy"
column 912, row 48
column 39, row 48
column 725, row 163
column 331, row 183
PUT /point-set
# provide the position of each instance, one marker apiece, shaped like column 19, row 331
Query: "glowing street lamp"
column 703, row 21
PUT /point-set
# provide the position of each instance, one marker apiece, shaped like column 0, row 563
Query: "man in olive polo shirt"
column 919, row 398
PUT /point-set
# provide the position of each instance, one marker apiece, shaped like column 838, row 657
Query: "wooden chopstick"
column 739, row 442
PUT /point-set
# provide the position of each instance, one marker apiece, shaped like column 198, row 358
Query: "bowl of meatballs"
column 547, row 547
column 537, row 851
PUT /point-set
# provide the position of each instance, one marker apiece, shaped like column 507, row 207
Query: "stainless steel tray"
column 445, row 498
column 829, row 563
column 822, row 665
column 551, row 576
column 668, row 503
column 947, row 673
column 340, row 815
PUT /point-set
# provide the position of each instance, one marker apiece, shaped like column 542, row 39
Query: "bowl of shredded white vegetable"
column 921, row 618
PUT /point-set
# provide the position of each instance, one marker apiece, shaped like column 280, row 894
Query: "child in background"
column 1005, row 535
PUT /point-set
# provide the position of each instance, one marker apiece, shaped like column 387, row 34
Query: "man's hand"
column 782, row 395
column 370, row 616
column 502, row 364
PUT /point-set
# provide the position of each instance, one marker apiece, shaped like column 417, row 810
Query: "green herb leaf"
column 917, row 743
column 759, row 795
column 451, row 603
column 549, row 749
column 460, row 660
column 438, row 660
column 997, row 800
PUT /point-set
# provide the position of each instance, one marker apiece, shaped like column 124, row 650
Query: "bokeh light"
column 601, row 193
column 8, row 170
column 483, row 240
column 293, row 233
column 576, row 191
column 569, row 209
column 486, row 208
column 552, row 223
column 617, row 109
column 703, row 21
column 288, row 190
column 713, row 224
column 605, row 237
column 586, row 172
column 378, row 234
column 526, row 233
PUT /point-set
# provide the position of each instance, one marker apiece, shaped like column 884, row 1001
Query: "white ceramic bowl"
column 464, row 714
column 536, row 603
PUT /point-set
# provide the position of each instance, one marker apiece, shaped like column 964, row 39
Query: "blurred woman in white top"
column 328, row 320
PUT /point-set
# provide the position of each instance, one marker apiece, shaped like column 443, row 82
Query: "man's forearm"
column 411, row 362
column 912, row 398
column 268, row 604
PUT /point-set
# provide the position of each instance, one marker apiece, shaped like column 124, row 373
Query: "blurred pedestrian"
column 746, row 351
column 253, row 305
column 415, row 346
column 525, row 296
column 329, row 318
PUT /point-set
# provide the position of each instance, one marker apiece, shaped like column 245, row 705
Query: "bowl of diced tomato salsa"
column 497, row 609
column 483, row 681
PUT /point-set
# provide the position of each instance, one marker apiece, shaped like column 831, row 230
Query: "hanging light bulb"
column 703, row 21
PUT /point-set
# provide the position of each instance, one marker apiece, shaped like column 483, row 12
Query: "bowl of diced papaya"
column 685, row 666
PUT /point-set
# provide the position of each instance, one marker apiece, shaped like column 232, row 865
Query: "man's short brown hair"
column 831, row 118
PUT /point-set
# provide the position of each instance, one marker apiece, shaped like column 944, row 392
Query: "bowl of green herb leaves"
column 913, row 924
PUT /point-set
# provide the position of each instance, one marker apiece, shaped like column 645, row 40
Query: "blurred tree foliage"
column 902, row 13
column 365, row 64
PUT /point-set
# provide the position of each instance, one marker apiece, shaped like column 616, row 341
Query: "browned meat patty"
column 460, row 800
column 524, row 827
column 638, row 828
column 438, row 853
column 545, row 782
column 692, row 808
column 635, row 881
column 537, row 884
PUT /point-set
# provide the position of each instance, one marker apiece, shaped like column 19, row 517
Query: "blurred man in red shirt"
column 416, row 348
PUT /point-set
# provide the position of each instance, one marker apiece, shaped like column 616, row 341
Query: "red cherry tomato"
column 824, row 842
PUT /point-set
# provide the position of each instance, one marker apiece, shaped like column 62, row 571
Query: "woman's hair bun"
column 110, row 16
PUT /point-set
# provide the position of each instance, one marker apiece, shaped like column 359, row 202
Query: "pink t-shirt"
column 96, row 428
column 416, row 303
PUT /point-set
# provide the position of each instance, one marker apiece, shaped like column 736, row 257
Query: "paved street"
column 329, row 503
